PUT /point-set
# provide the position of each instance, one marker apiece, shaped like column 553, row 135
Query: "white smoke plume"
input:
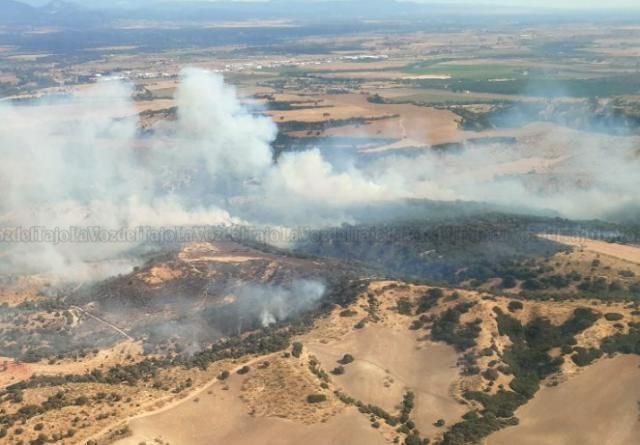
column 273, row 304
column 81, row 162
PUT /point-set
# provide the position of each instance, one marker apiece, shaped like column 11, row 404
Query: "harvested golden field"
column 389, row 362
column 154, row 105
column 218, row 415
column 414, row 125
column 339, row 111
column 623, row 252
column 20, row 289
column 598, row 406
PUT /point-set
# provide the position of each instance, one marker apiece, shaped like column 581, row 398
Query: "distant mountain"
column 60, row 7
column 86, row 13
column 56, row 12
column 14, row 12
column 63, row 12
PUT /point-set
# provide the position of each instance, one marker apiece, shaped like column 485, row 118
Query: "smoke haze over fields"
column 84, row 164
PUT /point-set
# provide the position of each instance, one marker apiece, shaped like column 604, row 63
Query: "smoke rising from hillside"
column 272, row 304
column 81, row 162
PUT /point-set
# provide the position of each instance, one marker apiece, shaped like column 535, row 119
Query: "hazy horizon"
column 544, row 4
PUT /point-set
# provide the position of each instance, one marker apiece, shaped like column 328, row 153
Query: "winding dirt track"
column 211, row 417
column 103, row 321
column 172, row 403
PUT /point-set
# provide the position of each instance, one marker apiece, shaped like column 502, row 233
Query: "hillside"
column 380, row 361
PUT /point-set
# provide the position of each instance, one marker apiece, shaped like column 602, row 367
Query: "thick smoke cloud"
column 247, row 306
column 81, row 162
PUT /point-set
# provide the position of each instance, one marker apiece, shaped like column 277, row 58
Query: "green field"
column 471, row 71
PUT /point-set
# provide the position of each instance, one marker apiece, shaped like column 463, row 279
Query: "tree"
column 296, row 349
column 346, row 359
column 515, row 306
column 404, row 306
column 413, row 439
column 490, row 374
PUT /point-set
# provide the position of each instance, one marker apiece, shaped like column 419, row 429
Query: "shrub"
column 338, row 370
column 296, row 349
column 533, row 284
column 346, row 359
column 413, row 439
column 40, row 440
column 348, row 313
column 316, row 398
column 429, row 300
column 613, row 316
column 616, row 286
column 224, row 375
column 405, row 307
column 515, row 306
column 584, row 356
column 244, row 370
column 490, row 374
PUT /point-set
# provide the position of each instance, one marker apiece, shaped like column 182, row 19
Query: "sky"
column 573, row 4
column 555, row 4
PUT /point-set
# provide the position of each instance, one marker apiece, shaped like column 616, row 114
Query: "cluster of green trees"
column 475, row 426
column 529, row 361
column 402, row 421
column 447, row 328
column 316, row 369
column 585, row 356
column 429, row 300
column 623, row 343
column 404, row 306
column 57, row 401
